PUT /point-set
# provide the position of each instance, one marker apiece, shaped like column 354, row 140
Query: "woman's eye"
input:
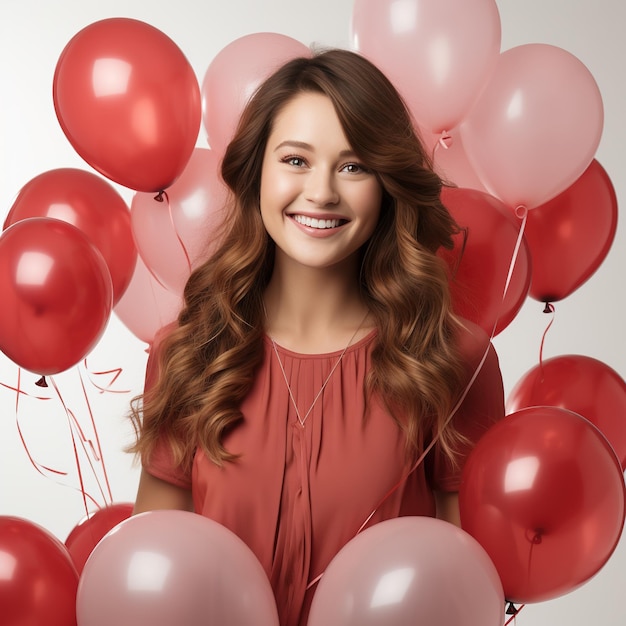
column 296, row 161
column 353, row 168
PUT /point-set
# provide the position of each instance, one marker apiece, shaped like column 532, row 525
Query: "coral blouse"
column 298, row 493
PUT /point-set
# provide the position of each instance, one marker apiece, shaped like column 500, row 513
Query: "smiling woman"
column 319, row 204
column 316, row 381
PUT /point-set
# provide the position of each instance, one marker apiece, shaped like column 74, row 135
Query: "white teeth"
column 315, row 223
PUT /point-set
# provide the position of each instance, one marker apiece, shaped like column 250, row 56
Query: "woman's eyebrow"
column 303, row 145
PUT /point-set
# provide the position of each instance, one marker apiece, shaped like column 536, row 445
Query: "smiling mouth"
column 321, row 224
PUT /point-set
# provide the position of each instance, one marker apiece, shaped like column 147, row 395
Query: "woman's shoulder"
column 472, row 342
column 152, row 365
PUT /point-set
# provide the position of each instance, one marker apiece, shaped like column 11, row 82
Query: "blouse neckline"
column 323, row 355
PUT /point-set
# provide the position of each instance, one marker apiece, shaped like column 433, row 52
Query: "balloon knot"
column 549, row 308
column 160, row 196
column 511, row 609
column 42, row 382
column 521, row 211
column 445, row 139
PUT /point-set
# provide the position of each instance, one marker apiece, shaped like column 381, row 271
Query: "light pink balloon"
column 235, row 74
column 409, row 570
column 536, row 126
column 452, row 164
column 176, row 235
column 173, row 567
column 438, row 54
column 146, row 305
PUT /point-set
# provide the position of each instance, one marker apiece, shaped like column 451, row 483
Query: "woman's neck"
column 313, row 310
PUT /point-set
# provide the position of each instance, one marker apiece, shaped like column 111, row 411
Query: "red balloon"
column 38, row 581
column 129, row 102
column 580, row 384
column 87, row 533
column 480, row 276
column 92, row 205
column 544, row 494
column 56, row 295
column 569, row 236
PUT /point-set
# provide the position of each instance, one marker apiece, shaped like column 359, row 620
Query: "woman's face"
column 318, row 202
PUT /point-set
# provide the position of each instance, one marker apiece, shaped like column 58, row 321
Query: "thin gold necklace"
column 301, row 419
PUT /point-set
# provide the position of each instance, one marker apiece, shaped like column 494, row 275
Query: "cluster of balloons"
column 113, row 568
column 501, row 123
column 542, row 499
column 158, row 568
column 543, row 491
column 129, row 103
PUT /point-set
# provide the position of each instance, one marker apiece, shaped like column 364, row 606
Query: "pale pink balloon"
column 536, row 125
column 173, row 567
column 235, row 74
column 409, row 570
column 175, row 235
column 452, row 164
column 146, row 306
column 438, row 54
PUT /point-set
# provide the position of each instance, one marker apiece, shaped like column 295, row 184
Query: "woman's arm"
column 447, row 506
column 154, row 493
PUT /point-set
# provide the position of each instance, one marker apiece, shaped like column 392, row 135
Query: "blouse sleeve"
column 161, row 462
column 482, row 406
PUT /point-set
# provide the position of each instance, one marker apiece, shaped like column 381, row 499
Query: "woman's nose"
column 320, row 188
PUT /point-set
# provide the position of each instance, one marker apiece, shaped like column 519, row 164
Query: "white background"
column 33, row 34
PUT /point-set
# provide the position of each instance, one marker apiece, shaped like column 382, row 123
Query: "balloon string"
column 178, row 237
column 535, row 540
column 117, row 371
column 160, row 198
column 99, row 456
column 18, row 393
column 74, row 425
column 549, row 308
column 444, row 141
column 521, row 212
column 44, row 470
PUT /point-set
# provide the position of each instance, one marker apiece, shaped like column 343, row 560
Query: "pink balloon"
column 146, row 305
column 536, row 125
column 438, row 54
column 409, row 570
column 235, row 74
column 173, row 567
column 452, row 164
column 176, row 235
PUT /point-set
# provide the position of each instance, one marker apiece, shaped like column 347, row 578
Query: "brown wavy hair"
column 209, row 359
